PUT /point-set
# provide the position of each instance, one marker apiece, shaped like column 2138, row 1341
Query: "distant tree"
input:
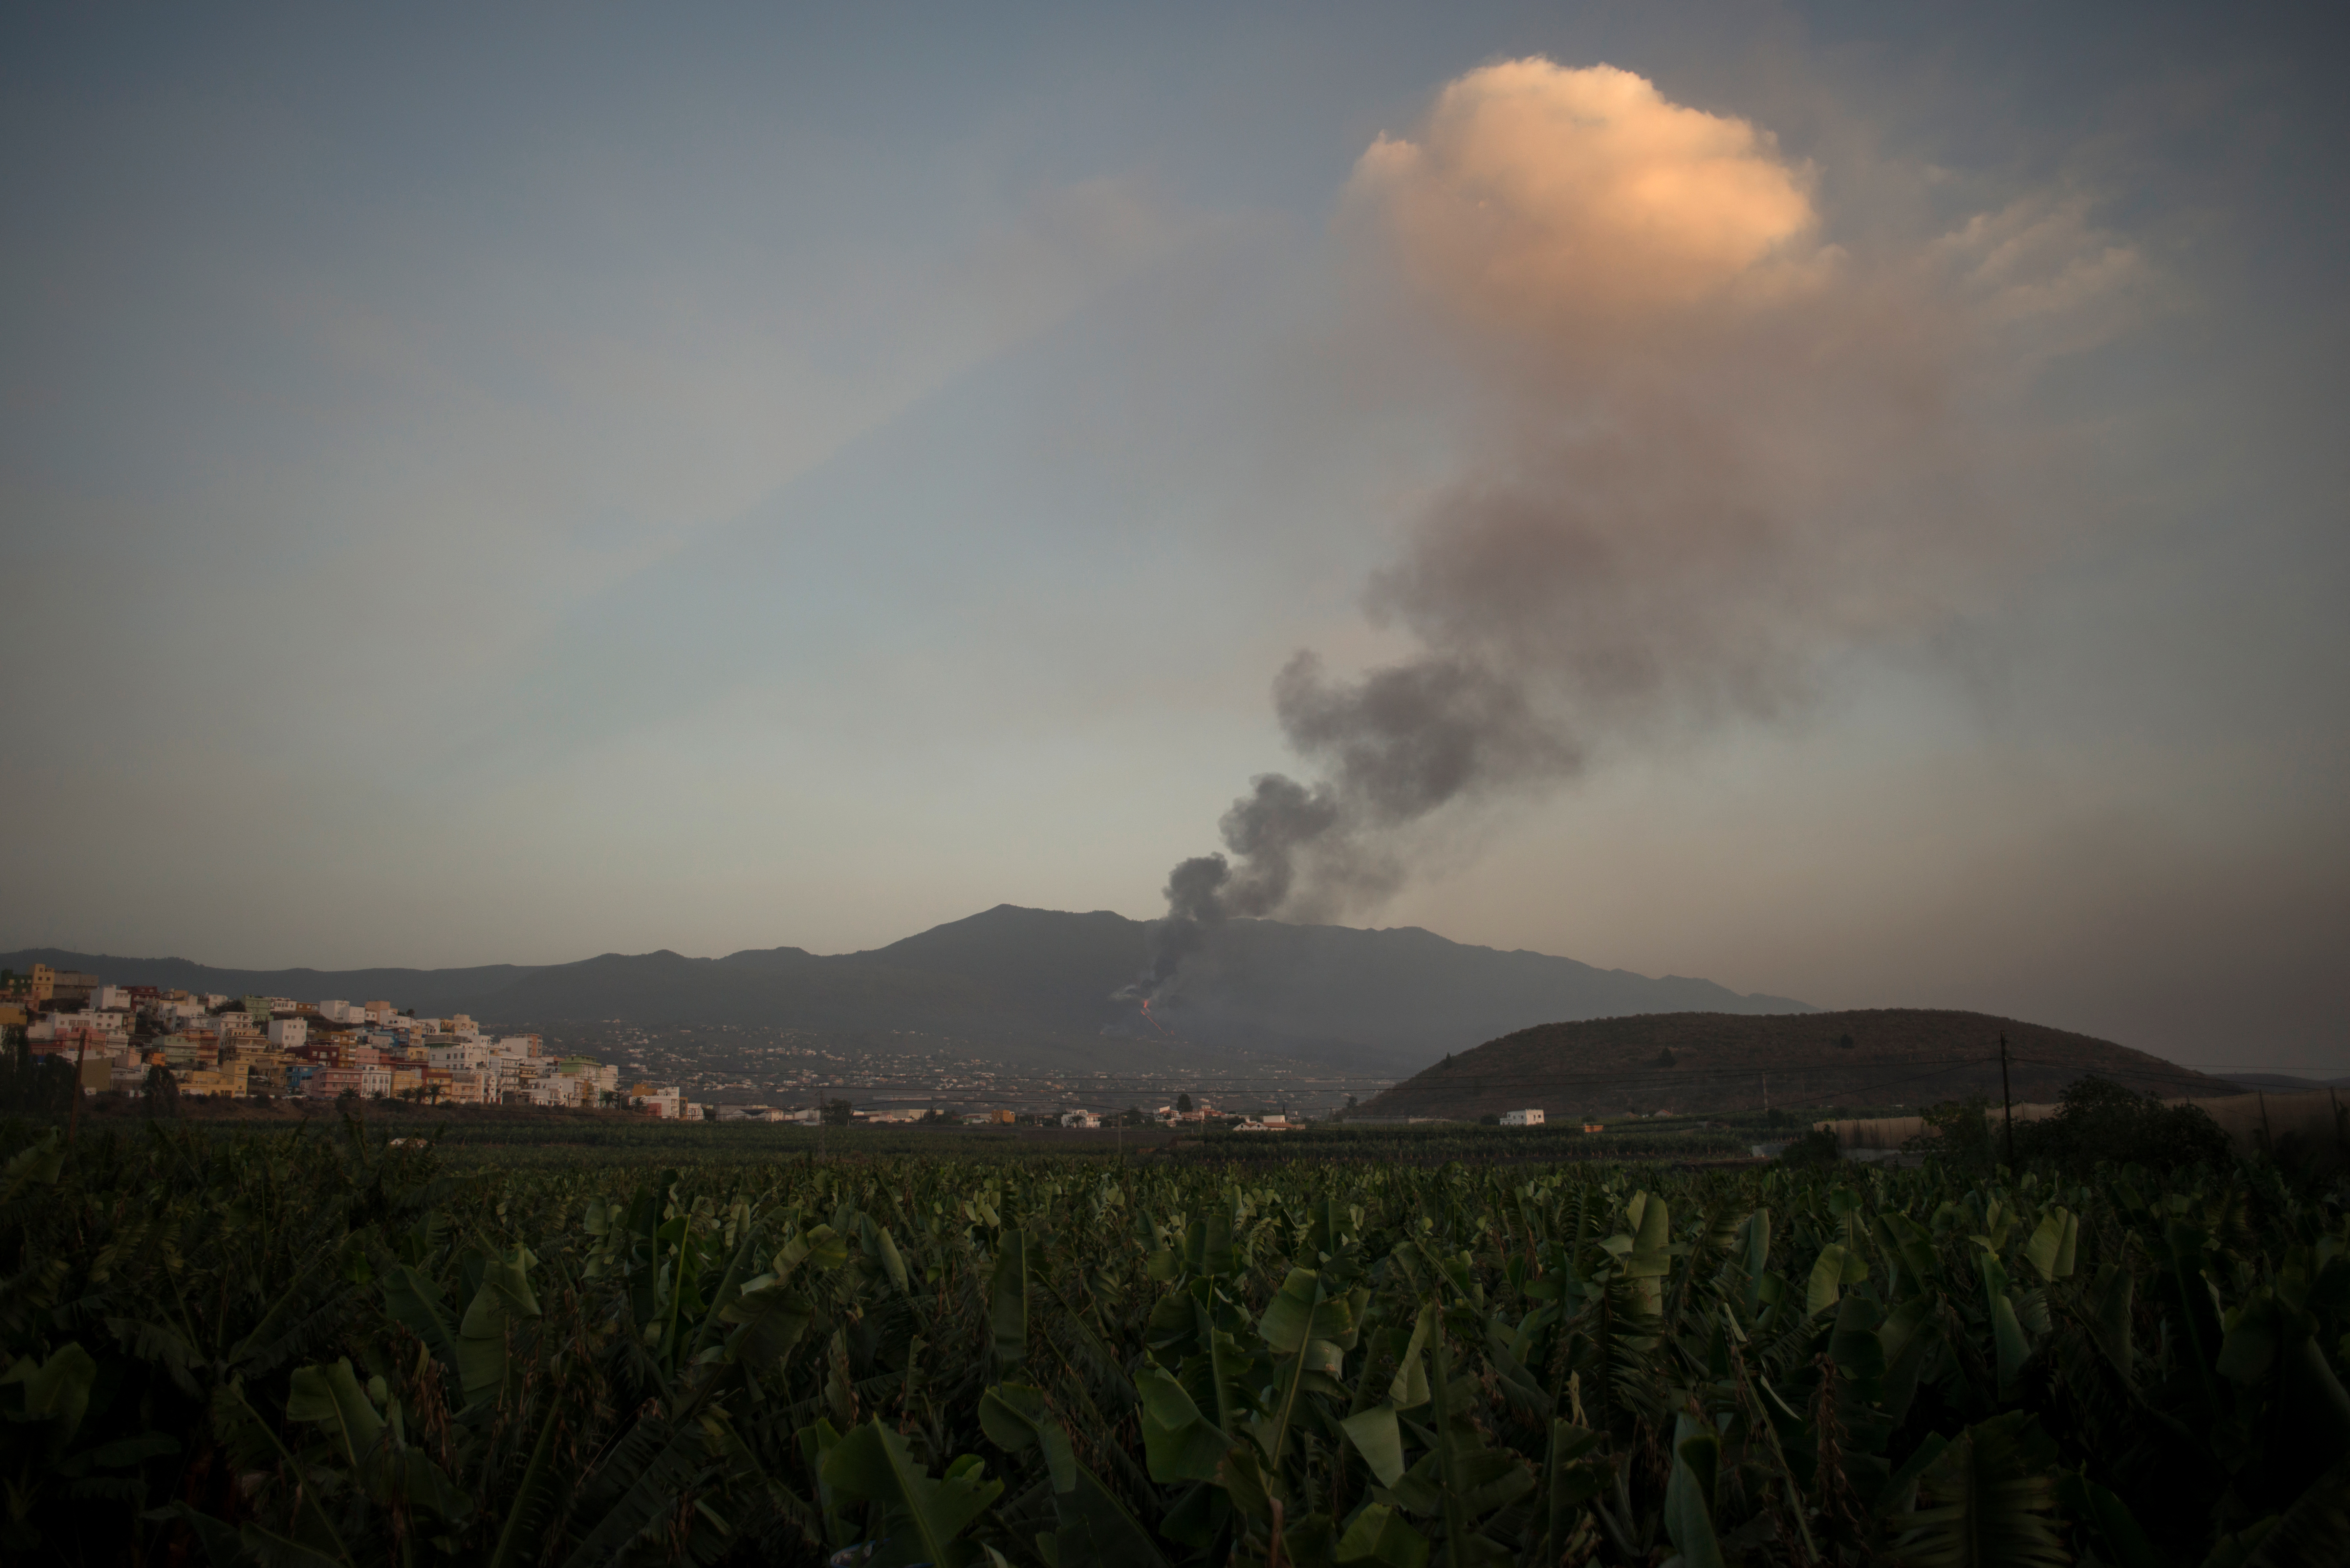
column 1844, row 1042
column 1958, row 1132
column 1183, row 1104
column 1665, row 1058
column 1818, row 1146
column 2100, row 1121
column 934, row 1117
column 162, row 1091
column 838, row 1113
column 1133, row 1116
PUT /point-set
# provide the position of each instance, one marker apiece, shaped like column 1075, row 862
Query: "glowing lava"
column 1152, row 1022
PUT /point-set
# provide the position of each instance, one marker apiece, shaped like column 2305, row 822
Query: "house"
column 1525, row 1118
column 1074, row 1118
column 667, row 1104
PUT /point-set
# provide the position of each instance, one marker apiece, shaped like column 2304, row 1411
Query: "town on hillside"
column 136, row 1039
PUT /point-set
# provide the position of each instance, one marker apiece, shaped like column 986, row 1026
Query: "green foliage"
column 1987, row 1501
column 1959, row 1133
column 1817, row 1147
column 307, row 1348
column 2103, row 1121
column 2098, row 1122
column 33, row 1086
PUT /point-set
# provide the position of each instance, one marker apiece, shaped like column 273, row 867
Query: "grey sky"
column 507, row 489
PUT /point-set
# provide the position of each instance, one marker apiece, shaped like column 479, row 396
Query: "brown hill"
column 1695, row 1063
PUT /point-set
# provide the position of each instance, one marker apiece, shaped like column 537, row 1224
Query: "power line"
column 2186, row 1076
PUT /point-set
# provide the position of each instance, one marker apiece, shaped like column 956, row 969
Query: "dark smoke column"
column 1268, row 831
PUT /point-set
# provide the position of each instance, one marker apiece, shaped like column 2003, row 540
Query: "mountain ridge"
column 1022, row 982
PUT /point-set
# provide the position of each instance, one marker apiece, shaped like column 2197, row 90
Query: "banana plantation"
column 293, row 1349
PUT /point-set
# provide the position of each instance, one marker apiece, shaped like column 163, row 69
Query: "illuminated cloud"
column 1573, row 199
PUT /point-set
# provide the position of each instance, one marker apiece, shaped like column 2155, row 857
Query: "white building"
column 593, row 1077
column 92, row 1031
column 110, row 999
column 285, row 1033
column 1079, row 1120
column 554, row 1089
column 1527, row 1118
column 667, row 1104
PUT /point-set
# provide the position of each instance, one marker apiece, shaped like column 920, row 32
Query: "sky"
column 1845, row 501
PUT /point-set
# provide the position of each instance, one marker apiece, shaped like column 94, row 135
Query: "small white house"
column 1527, row 1118
column 1079, row 1120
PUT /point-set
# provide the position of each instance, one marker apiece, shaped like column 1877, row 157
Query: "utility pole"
column 2007, row 1102
column 73, row 1118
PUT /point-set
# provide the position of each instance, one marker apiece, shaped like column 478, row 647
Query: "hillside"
column 1029, row 986
column 1700, row 1061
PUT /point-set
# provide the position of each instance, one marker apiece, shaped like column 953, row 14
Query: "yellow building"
column 228, row 1079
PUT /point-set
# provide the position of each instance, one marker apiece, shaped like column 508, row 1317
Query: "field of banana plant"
column 296, row 1348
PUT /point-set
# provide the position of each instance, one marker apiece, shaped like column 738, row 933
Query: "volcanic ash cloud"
column 1712, row 449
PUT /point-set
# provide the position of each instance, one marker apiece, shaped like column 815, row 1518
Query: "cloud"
column 1537, row 196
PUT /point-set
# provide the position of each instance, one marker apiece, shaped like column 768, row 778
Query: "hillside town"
column 118, row 1037
column 121, row 1038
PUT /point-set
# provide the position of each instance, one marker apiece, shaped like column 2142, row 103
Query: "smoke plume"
column 1712, row 450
